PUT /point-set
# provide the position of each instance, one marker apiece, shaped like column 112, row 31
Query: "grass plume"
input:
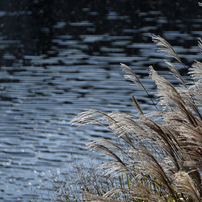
column 158, row 155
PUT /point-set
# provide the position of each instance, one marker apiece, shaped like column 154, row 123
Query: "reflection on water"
column 59, row 58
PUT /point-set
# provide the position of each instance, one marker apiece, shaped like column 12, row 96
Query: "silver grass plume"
column 159, row 153
column 166, row 91
column 175, row 72
column 200, row 44
column 130, row 74
column 196, row 71
column 185, row 185
column 164, row 46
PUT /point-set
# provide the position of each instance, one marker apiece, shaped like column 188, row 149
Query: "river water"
column 59, row 58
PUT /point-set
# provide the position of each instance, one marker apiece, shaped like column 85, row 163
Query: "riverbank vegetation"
column 157, row 155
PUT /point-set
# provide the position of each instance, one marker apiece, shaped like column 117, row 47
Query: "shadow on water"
column 58, row 58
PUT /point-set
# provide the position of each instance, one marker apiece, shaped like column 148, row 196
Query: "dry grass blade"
column 115, row 191
column 168, row 140
column 185, row 185
column 186, row 112
column 166, row 91
column 137, row 104
column 164, row 46
column 176, row 72
column 196, row 70
column 98, row 146
column 191, row 102
column 200, row 44
column 92, row 116
column 133, row 77
column 156, row 170
column 94, row 198
column 141, row 192
column 160, row 153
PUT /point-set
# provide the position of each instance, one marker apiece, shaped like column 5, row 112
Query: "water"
column 61, row 58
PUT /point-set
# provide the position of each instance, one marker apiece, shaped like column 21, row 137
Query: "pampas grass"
column 158, row 155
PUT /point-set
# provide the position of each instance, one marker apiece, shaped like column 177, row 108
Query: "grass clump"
column 158, row 155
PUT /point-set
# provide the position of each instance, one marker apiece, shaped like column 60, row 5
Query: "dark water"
column 58, row 58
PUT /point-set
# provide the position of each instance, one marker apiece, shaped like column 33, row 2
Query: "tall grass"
column 158, row 155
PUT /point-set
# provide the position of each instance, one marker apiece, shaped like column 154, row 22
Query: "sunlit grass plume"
column 158, row 155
